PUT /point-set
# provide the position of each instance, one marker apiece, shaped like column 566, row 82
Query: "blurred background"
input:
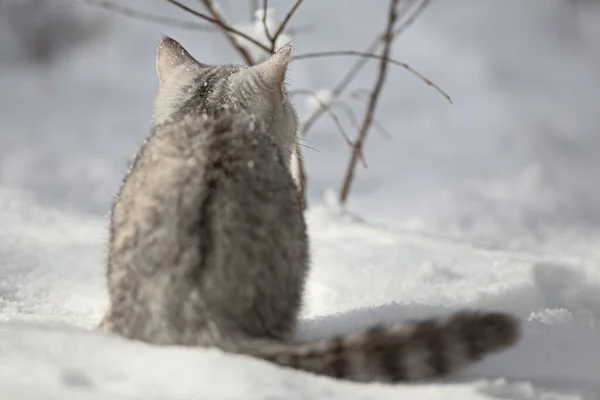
column 514, row 162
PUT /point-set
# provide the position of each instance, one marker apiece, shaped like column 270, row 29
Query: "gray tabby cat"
column 208, row 244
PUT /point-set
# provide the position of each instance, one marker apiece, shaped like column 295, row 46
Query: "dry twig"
column 288, row 16
column 228, row 31
column 370, row 112
column 265, row 25
column 382, row 58
column 147, row 16
column 385, row 133
column 333, row 115
column 218, row 20
column 361, row 62
column 287, row 19
column 418, row 10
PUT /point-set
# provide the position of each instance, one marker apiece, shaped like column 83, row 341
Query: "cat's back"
column 189, row 154
column 208, row 205
column 231, row 149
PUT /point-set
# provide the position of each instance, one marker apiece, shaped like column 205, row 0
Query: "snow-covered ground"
column 491, row 202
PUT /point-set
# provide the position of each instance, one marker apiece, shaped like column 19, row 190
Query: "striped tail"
column 402, row 352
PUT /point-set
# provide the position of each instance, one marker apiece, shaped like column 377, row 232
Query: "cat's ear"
column 272, row 71
column 169, row 55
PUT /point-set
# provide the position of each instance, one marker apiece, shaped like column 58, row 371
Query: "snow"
column 489, row 203
column 363, row 274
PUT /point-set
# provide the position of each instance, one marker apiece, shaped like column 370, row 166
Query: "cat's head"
column 187, row 86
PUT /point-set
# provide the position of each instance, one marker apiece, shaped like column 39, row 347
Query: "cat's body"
column 207, row 210
column 220, row 210
column 208, row 242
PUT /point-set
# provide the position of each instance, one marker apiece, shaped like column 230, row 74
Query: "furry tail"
column 402, row 352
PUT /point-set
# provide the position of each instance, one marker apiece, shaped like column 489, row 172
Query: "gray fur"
column 208, row 243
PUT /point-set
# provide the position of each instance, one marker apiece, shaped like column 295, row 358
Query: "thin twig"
column 266, row 28
column 383, row 58
column 222, row 24
column 361, row 62
column 385, row 133
column 217, row 20
column 372, row 106
column 287, row 19
column 333, row 115
column 147, row 16
column 350, row 115
column 399, row 30
column 341, row 86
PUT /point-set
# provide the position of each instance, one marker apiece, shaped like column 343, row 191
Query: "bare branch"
column 266, row 28
column 333, row 116
column 385, row 133
column 361, row 62
column 147, row 16
column 217, row 20
column 341, row 86
column 221, row 23
column 370, row 112
column 399, row 30
column 284, row 23
column 350, row 114
column 385, row 59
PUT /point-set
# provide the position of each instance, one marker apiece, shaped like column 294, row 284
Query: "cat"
column 208, row 242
